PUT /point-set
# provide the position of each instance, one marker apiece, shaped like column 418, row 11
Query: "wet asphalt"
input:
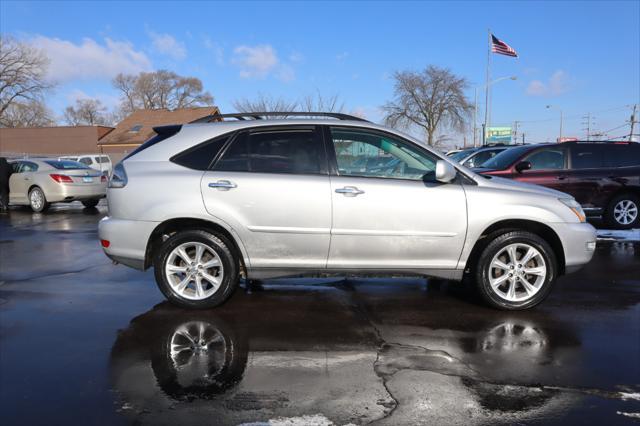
column 83, row 341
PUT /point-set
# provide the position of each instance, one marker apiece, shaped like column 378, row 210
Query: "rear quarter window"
column 622, row 155
column 200, row 157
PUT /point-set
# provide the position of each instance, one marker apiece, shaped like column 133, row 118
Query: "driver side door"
column 389, row 212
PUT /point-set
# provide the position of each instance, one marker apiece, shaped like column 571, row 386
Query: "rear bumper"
column 127, row 240
column 578, row 241
column 72, row 193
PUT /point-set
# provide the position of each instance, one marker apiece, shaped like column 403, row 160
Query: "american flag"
column 499, row 46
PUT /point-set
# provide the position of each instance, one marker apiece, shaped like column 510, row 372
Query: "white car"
column 99, row 162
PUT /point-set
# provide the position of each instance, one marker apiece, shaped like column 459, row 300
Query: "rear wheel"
column 196, row 269
column 516, row 271
column 37, row 200
column 91, row 203
column 623, row 212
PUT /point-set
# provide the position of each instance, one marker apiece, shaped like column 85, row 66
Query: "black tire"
column 610, row 217
column 45, row 204
column 500, row 241
column 89, row 204
column 230, row 277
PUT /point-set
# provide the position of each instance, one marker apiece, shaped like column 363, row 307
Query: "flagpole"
column 487, row 86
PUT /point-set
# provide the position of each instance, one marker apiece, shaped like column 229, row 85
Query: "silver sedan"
column 40, row 182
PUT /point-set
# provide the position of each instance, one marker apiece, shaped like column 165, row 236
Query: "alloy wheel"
column 194, row 271
column 36, row 198
column 625, row 212
column 517, row 272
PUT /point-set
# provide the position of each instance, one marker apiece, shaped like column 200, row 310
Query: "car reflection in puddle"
column 175, row 366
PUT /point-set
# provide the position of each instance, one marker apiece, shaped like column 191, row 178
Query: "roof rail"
column 285, row 114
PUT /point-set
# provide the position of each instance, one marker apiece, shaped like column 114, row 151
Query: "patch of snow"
column 629, row 395
column 310, row 420
column 619, row 235
column 632, row 415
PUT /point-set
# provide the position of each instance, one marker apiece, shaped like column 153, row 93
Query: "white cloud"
column 90, row 59
column 255, row 61
column 218, row 51
column 556, row 85
column 166, row 44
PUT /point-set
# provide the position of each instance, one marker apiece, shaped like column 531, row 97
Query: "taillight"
column 103, row 178
column 118, row 177
column 61, row 178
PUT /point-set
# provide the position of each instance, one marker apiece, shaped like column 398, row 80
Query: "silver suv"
column 205, row 203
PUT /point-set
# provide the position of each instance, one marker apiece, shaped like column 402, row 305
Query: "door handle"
column 349, row 191
column 223, row 185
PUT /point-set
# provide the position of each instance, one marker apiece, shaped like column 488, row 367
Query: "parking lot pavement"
column 85, row 342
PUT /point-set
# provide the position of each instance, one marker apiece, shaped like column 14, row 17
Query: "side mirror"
column 522, row 166
column 445, row 172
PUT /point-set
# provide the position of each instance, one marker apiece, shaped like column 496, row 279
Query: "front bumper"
column 128, row 240
column 578, row 241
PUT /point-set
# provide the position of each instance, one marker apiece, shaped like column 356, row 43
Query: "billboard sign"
column 498, row 135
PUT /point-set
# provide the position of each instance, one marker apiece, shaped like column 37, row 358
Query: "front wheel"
column 516, row 271
column 37, row 200
column 196, row 269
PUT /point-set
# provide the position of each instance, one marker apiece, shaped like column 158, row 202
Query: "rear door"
column 548, row 168
column 388, row 211
column 272, row 186
column 587, row 174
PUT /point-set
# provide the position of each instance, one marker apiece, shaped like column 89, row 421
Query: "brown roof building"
column 51, row 141
column 138, row 127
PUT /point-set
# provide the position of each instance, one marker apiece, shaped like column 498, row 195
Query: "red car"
column 604, row 177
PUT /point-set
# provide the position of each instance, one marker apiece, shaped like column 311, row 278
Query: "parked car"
column 603, row 177
column 203, row 203
column 40, row 182
column 99, row 162
column 476, row 157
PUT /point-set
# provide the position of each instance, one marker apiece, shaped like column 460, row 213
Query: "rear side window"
column 86, row 160
column 201, row 156
column 298, row 151
column 587, row 156
column 622, row 155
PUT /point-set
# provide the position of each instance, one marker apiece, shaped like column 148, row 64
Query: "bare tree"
column 430, row 99
column 32, row 113
column 310, row 103
column 160, row 89
column 22, row 77
column 86, row 112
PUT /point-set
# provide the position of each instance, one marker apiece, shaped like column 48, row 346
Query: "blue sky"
column 578, row 56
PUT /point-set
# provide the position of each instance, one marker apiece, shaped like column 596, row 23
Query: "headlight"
column 575, row 207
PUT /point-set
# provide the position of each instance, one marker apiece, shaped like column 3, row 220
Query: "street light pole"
column 561, row 119
column 475, row 110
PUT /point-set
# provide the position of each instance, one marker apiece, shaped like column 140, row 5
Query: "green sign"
column 498, row 135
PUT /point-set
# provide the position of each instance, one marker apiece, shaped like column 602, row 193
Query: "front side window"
column 368, row 154
column 297, row 151
column 547, row 159
column 86, row 160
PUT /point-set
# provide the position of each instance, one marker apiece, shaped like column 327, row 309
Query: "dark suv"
column 602, row 176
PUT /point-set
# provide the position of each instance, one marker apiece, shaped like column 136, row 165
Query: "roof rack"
column 285, row 114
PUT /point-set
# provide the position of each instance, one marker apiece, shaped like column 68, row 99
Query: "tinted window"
column 102, row 160
column 506, row 158
column 66, row 164
column 289, row 151
column 201, row 156
column 481, row 157
column 619, row 155
column 86, row 160
column 587, row 156
column 164, row 132
column 546, row 159
column 296, row 151
column 360, row 153
column 459, row 156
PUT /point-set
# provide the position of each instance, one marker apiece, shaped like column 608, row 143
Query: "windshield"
column 459, row 156
column 66, row 164
column 505, row 158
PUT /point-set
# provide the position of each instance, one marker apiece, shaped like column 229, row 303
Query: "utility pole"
column 633, row 121
column 522, row 138
column 475, row 119
column 515, row 131
column 587, row 123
